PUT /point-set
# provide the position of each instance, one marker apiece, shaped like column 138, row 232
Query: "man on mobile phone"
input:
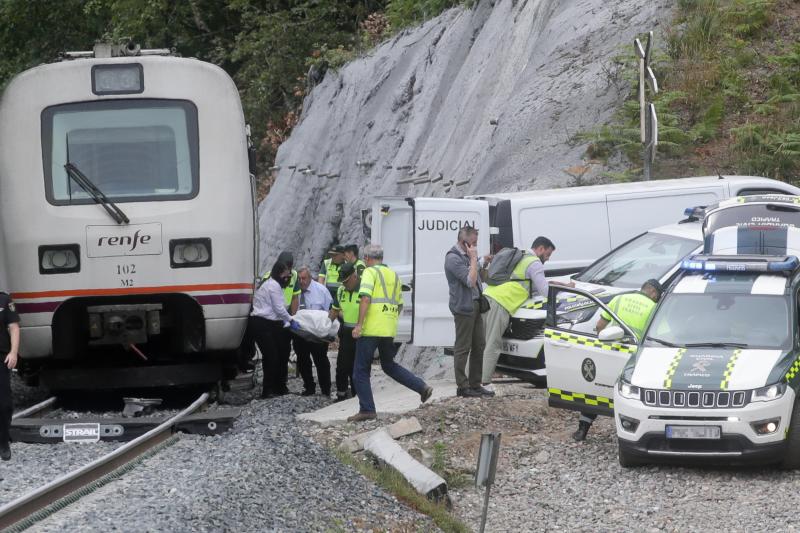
column 461, row 270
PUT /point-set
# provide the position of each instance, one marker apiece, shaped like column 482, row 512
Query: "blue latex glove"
column 294, row 326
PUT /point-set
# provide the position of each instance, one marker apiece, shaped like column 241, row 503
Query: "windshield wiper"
column 98, row 195
column 665, row 343
column 716, row 345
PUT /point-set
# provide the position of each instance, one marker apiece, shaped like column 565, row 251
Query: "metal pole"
column 485, row 508
column 642, row 102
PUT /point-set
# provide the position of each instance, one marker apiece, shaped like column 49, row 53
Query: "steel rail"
column 37, row 499
column 33, row 409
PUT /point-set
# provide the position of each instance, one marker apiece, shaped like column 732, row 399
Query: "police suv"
column 716, row 375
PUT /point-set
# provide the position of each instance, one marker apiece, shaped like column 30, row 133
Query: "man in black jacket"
column 9, row 344
column 461, row 270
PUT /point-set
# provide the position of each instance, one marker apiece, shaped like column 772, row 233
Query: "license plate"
column 79, row 432
column 694, row 432
column 510, row 348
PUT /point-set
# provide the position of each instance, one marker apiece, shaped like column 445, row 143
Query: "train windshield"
column 133, row 150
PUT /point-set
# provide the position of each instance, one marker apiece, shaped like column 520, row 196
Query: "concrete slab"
column 390, row 397
column 401, row 428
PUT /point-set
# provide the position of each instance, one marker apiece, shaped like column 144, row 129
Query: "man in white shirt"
column 313, row 295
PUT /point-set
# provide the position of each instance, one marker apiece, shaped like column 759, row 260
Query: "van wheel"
column 791, row 458
column 627, row 459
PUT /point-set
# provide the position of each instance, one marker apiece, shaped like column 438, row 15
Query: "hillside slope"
column 489, row 97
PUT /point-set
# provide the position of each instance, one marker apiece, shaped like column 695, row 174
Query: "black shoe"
column 425, row 395
column 5, row 452
column 308, row 392
column 467, row 393
column 480, row 391
column 247, row 368
column 340, row 397
column 583, row 429
column 267, row 395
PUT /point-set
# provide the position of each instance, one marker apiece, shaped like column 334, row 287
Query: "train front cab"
column 156, row 270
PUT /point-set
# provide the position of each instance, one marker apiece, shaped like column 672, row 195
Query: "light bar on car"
column 698, row 211
column 741, row 264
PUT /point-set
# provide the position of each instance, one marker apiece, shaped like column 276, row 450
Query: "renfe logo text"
column 125, row 240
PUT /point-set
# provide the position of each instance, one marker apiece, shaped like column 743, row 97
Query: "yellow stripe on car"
column 726, row 376
column 672, row 367
column 793, row 370
column 592, row 342
column 579, row 397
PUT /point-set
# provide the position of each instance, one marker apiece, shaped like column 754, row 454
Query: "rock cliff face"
column 477, row 100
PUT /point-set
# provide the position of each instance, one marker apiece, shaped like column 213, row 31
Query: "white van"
column 584, row 223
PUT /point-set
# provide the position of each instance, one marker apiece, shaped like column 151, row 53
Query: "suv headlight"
column 626, row 390
column 768, row 393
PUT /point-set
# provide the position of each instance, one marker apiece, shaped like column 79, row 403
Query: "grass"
column 730, row 94
column 393, row 482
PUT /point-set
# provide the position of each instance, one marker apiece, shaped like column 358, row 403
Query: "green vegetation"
column 730, row 99
column 274, row 50
column 394, row 483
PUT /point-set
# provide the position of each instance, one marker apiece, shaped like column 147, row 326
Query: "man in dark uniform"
column 9, row 344
column 346, row 308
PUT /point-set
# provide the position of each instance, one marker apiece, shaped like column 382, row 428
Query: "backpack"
column 502, row 266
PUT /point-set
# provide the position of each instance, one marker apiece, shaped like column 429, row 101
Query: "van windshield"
column 132, row 150
column 747, row 320
column 650, row 255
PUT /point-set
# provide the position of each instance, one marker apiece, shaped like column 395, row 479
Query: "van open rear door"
column 416, row 234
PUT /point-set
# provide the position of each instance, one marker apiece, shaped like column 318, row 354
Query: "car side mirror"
column 611, row 333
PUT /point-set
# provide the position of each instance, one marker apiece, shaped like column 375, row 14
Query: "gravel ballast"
column 547, row 482
column 263, row 475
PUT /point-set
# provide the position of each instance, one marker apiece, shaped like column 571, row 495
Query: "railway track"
column 43, row 501
column 35, row 410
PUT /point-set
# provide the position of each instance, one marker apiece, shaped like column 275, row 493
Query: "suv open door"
column 581, row 368
column 416, row 233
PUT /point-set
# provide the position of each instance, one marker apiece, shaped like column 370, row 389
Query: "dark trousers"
column 6, row 401
column 469, row 345
column 318, row 351
column 284, row 345
column 266, row 334
column 344, row 361
column 247, row 349
column 365, row 349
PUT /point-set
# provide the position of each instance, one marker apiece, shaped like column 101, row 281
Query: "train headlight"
column 186, row 253
column 59, row 258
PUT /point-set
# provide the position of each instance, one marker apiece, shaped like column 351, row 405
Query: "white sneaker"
column 489, row 387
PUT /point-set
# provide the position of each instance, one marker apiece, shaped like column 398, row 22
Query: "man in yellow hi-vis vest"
column 635, row 310
column 379, row 310
column 527, row 280
column 351, row 256
column 329, row 273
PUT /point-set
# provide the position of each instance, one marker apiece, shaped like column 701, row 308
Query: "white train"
column 127, row 218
